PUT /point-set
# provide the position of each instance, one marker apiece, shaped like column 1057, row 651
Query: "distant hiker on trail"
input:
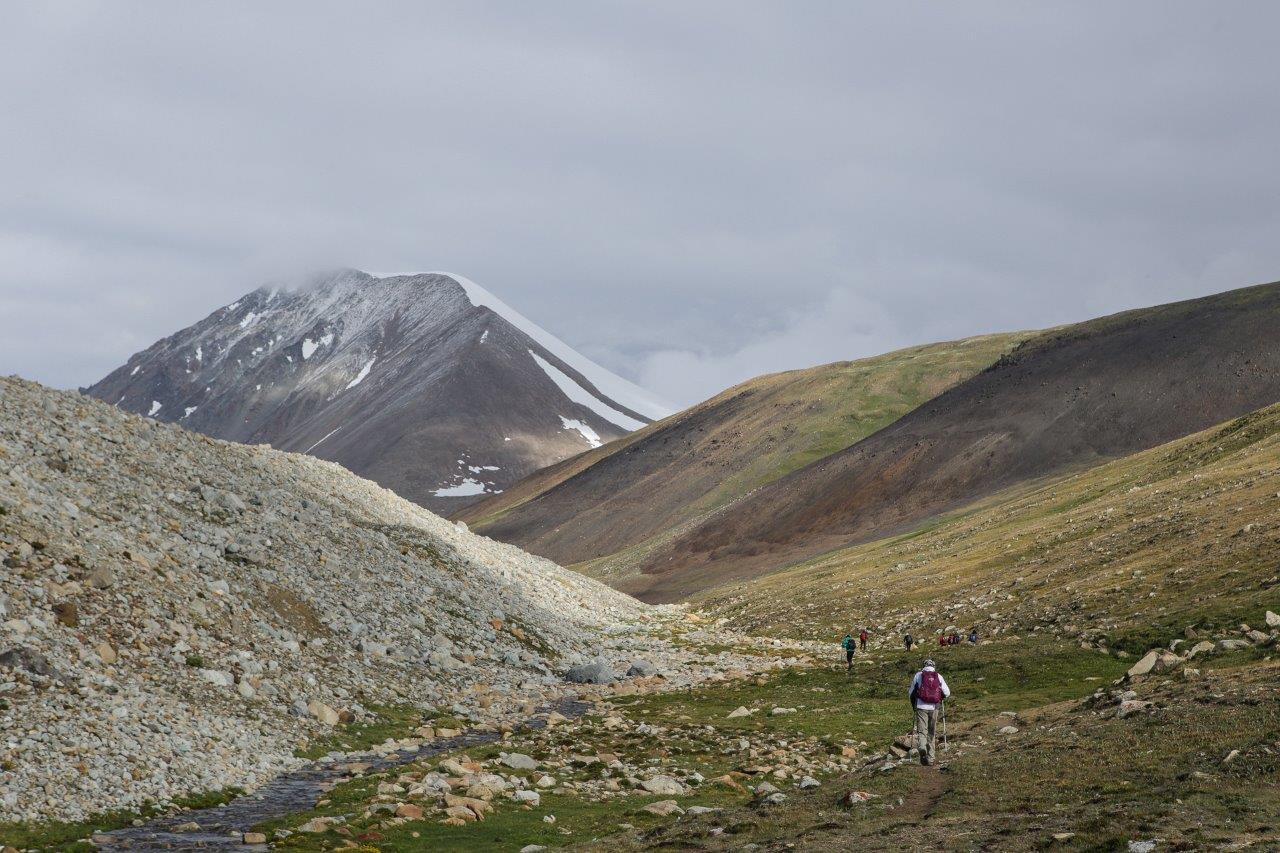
column 942, row 639
column 849, row 646
column 973, row 636
column 908, row 641
column 862, row 638
column 928, row 691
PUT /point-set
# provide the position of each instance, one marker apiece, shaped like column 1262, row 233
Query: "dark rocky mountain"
column 423, row 382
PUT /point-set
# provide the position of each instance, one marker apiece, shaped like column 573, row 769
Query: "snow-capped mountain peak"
column 425, row 382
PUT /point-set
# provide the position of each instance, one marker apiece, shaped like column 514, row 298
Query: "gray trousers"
column 926, row 727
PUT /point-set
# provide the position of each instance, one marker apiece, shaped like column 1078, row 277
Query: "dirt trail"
column 918, row 806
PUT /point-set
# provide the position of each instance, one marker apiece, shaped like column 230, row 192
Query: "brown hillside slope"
column 1070, row 397
column 616, row 501
column 1124, row 555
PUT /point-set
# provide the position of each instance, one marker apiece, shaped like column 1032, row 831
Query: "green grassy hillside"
column 602, row 511
column 1129, row 554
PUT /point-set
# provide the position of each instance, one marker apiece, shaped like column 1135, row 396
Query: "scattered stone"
column 518, row 761
column 663, row 786
column 1273, row 619
column 322, row 712
column 641, row 669
column 1201, row 648
column 1008, row 730
column 664, row 808
column 1133, row 706
column 67, row 613
column 409, row 811
column 101, row 578
column 740, row 711
column 597, row 672
column 254, row 838
column 189, row 826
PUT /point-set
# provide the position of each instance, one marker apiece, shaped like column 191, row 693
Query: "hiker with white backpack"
column 928, row 691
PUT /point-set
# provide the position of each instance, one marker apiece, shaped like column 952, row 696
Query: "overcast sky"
column 690, row 193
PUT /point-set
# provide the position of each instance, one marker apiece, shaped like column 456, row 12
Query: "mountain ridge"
column 425, row 382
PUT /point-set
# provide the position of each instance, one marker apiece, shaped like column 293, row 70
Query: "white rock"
column 663, row 786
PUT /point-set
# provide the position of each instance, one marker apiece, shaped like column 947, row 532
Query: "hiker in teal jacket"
column 849, row 645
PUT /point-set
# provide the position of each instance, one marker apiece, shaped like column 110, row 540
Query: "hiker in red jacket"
column 928, row 691
column 862, row 638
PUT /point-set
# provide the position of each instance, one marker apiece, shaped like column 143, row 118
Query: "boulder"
column 740, row 711
column 518, row 761
column 1146, row 664
column 217, row 677
column 1231, row 644
column 409, row 811
column 1273, row 619
column 108, row 654
column 1201, row 648
column 101, row 578
column 597, row 672
column 641, row 669
column 254, row 838
column 663, row 808
column 663, row 786
column 1132, row 706
column 322, row 712
column 532, row 798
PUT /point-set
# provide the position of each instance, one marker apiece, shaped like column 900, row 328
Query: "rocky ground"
column 183, row 616
column 179, row 614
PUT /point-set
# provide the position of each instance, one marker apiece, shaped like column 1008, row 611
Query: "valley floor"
column 803, row 756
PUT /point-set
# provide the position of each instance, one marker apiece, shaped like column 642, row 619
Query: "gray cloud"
column 690, row 193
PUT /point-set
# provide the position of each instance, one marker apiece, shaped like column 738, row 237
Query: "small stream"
column 221, row 827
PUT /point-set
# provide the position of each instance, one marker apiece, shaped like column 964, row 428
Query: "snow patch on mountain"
column 607, row 383
column 309, row 346
column 467, row 488
column 592, row 437
column 364, row 371
column 582, row 396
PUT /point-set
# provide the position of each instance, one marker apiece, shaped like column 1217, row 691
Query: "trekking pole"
column 944, row 726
